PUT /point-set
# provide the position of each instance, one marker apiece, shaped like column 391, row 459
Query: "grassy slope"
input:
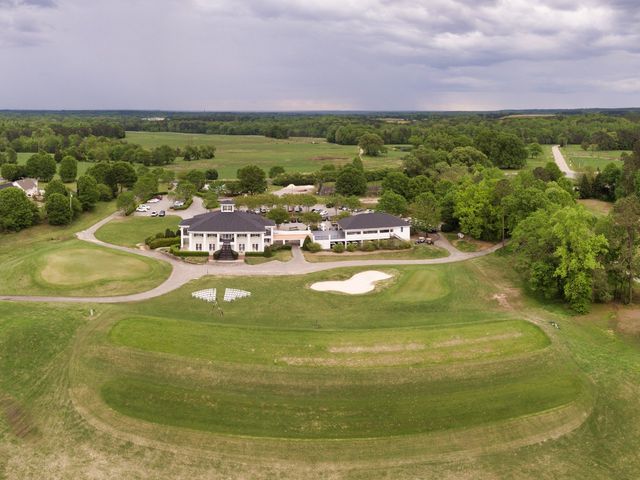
column 280, row 256
column 296, row 154
column 24, row 257
column 38, row 380
column 129, row 231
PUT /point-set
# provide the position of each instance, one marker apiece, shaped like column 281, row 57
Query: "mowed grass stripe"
column 349, row 412
column 362, row 348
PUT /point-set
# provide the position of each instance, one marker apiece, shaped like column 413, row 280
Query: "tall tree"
column 59, row 209
column 372, row 144
column 68, row 169
column 425, row 211
column 16, row 210
column 252, row 179
column 626, row 215
column 393, row 203
column 88, row 192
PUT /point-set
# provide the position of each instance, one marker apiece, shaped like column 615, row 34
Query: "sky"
column 273, row 55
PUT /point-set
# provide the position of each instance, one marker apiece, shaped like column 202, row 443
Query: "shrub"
column 314, row 247
column 305, row 244
column 369, row 246
column 164, row 242
column 352, row 247
column 338, row 248
column 175, row 250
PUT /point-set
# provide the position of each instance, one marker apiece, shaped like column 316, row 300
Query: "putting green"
column 80, row 266
column 420, row 286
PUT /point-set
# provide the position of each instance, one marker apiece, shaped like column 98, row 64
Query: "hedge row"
column 163, row 242
column 175, row 250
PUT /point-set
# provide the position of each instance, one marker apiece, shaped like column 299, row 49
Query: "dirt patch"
column 18, row 418
column 408, row 347
column 470, row 341
column 628, row 321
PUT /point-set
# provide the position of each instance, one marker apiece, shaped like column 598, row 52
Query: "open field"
column 48, row 260
column 446, row 372
column 579, row 159
column 296, row 154
column 132, row 230
column 419, row 252
column 541, row 160
column 597, row 207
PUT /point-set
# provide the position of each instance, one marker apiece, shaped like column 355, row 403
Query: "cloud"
column 23, row 22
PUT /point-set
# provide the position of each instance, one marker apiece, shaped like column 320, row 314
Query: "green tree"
column 163, row 155
column 393, row 203
column 425, row 211
column 185, row 191
column 124, row 175
column 145, row 187
column 197, row 177
column 105, row 193
column 372, row 144
column 278, row 215
column 275, row 171
column 59, row 209
column 41, row 166
column 87, row 192
column 68, row 169
column 351, row 181
column 12, row 172
column 468, row 156
column 396, row 182
column 311, row 218
column 211, row 174
column 626, row 215
column 211, row 200
column 55, row 186
column 535, row 150
column 252, row 179
column 126, row 202
column 16, row 210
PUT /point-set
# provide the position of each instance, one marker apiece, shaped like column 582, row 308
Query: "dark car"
column 162, row 213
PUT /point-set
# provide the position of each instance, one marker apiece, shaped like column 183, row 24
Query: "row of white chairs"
column 230, row 294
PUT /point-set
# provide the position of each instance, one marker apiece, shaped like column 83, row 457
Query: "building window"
column 402, row 229
column 370, row 232
column 241, row 247
column 354, row 233
column 255, row 247
column 198, row 235
column 212, row 246
column 384, row 230
column 198, row 247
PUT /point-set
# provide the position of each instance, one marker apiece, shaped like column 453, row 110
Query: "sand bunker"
column 362, row 282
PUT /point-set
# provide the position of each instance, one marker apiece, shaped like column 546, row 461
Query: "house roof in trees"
column 227, row 222
column 26, row 184
column 371, row 220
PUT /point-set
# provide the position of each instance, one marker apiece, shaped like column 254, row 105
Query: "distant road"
column 562, row 163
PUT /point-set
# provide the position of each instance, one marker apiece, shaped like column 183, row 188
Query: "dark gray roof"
column 371, row 220
column 5, row 185
column 227, row 222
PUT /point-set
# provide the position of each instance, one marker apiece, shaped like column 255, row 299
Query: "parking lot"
column 196, row 208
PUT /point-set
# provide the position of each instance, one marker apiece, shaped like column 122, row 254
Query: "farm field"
column 296, row 154
column 415, row 253
column 437, row 380
column 579, row 159
column 130, row 231
column 48, row 260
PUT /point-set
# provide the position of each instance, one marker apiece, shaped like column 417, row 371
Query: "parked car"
column 143, row 208
column 153, row 200
column 178, row 203
column 154, row 213
column 162, row 213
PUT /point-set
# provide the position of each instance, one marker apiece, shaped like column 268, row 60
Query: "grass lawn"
column 579, row 159
column 296, row 154
column 597, row 207
column 419, row 252
column 132, row 230
column 48, row 260
column 280, row 256
column 541, row 160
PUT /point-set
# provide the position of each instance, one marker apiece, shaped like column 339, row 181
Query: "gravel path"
column 183, row 272
column 562, row 163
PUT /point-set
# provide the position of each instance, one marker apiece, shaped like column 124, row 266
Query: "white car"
column 153, row 200
column 143, row 208
column 178, row 203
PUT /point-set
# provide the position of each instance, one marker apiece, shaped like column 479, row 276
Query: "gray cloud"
column 315, row 54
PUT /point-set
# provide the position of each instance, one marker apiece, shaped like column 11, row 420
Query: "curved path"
column 562, row 163
column 183, row 272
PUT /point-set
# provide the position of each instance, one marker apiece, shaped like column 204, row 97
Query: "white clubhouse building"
column 241, row 231
column 250, row 232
